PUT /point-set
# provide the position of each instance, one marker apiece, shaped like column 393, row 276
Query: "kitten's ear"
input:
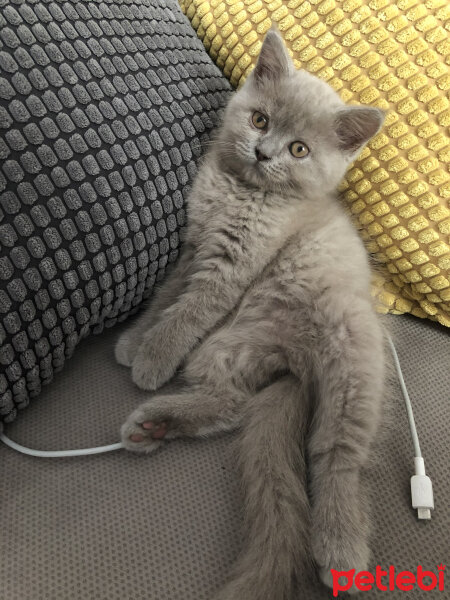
column 355, row 126
column 274, row 61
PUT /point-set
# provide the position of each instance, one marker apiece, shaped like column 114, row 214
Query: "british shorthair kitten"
column 266, row 325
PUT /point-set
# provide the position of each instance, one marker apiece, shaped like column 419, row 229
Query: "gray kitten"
column 268, row 321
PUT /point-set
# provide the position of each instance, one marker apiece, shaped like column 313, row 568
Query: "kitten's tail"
column 276, row 505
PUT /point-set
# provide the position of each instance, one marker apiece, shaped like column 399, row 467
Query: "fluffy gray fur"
column 267, row 324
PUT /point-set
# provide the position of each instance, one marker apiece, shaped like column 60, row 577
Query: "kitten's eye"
column 259, row 120
column 299, row 149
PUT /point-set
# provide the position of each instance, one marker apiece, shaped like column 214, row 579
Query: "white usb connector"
column 421, row 490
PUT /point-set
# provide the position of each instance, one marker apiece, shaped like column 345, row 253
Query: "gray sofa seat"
column 168, row 526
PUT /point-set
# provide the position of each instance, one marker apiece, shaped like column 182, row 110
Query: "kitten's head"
column 287, row 128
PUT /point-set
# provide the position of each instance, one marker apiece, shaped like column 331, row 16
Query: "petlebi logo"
column 389, row 580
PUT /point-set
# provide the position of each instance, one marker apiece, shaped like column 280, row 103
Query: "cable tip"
column 423, row 513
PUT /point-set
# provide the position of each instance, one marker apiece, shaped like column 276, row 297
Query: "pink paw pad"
column 157, row 430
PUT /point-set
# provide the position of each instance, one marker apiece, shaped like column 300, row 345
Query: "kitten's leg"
column 218, row 281
column 193, row 412
column 129, row 341
column 350, row 377
column 272, row 467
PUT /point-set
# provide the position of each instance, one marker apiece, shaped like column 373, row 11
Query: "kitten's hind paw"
column 152, row 423
column 143, row 435
column 326, row 578
column 342, row 555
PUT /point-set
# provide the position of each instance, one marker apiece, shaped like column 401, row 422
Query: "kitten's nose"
column 260, row 156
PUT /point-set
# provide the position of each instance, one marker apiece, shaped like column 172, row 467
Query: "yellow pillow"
column 391, row 54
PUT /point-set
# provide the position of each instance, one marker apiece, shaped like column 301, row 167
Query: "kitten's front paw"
column 149, row 371
column 156, row 360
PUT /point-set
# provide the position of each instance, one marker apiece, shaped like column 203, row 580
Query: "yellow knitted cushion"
column 389, row 53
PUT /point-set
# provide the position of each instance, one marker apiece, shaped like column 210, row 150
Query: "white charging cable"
column 421, row 487
column 58, row 453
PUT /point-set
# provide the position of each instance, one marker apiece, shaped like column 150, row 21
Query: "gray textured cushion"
column 103, row 107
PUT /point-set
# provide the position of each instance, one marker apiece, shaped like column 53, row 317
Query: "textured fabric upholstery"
column 168, row 526
column 103, row 107
column 391, row 54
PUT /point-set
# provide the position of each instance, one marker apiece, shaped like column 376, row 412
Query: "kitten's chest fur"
column 239, row 224
column 285, row 254
column 276, row 250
